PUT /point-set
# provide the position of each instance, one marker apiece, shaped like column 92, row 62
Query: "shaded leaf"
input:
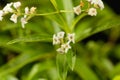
column 8, row 77
column 71, row 59
column 92, row 25
column 68, row 6
column 62, row 66
column 34, row 38
column 25, row 58
column 54, row 4
column 101, row 27
column 84, row 71
column 116, row 77
column 39, row 67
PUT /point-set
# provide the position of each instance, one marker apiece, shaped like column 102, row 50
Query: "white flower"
column 17, row 4
column 1, row 15
column 60, row 50
column 89, row 0
column 26, row 10
column 77, row 10
column 29, row 11
column 92, row 12
column 71, row 37
column 8, row 8
column 59, row 39
column 100, row 4
column 14, row 18
column 66, row 47
column 23, row 22
column 60, row 35
column 97, row 2
column 56, row 40
column 32, row 10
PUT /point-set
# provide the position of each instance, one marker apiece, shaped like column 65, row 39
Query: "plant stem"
column 50, row 13
column 64, row 27
column 77, row 20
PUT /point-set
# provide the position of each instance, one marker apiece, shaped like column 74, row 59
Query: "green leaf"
column 77, row 19
column 64, row 19
column 8, row 77
column 107, row 24
column 115, row 71
column 54, row 4
column 116, row 77
column 33, row 38
column 58, row 20
column 42, row 79
column 39, row 67
column 28, row 56
column 62, row 66
column 84, row 71
column 68, row 6
column 71, row 58
column 91, row 25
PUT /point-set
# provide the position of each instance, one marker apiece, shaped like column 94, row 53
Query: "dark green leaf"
column 62, row 66
column 87, row 31
column 34, row 38
column 84, row 71
column 71, row 59
column 25, row 58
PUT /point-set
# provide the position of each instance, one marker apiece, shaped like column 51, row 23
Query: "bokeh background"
column 100, row 53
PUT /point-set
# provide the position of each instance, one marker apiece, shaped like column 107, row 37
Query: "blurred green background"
column 28, row 54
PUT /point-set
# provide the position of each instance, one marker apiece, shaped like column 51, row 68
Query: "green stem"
column 65, row 27
column 64, row 11
column 54, row 3
column 44, row 14
column 51, row 13
column 77, row 20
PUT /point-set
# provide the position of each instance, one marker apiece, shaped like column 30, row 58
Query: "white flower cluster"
column 13, row 7
column 28, row 12
column 98, row 3
column 10, row 8
column 59, row 39
column 77, row 9
column 92, row 4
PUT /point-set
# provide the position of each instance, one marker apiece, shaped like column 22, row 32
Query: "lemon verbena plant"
column 45, row 36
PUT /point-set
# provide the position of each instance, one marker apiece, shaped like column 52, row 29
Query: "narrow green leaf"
column 54, row 4
column 73, row 62
column 57, row 19
column 116, row 77
column 42, row 79
column 33, row 38
column 77, row 19
column 68, row 6
column 71, row 58
column 84, row 71
column 28, row 56
column 115, row 71
column 62, row 66
column 65, row 18
column 91, row 25
column 39, row 67
column 107, row 24
column 8, row 77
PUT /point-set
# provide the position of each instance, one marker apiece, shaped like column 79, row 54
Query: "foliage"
column 28, row 54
